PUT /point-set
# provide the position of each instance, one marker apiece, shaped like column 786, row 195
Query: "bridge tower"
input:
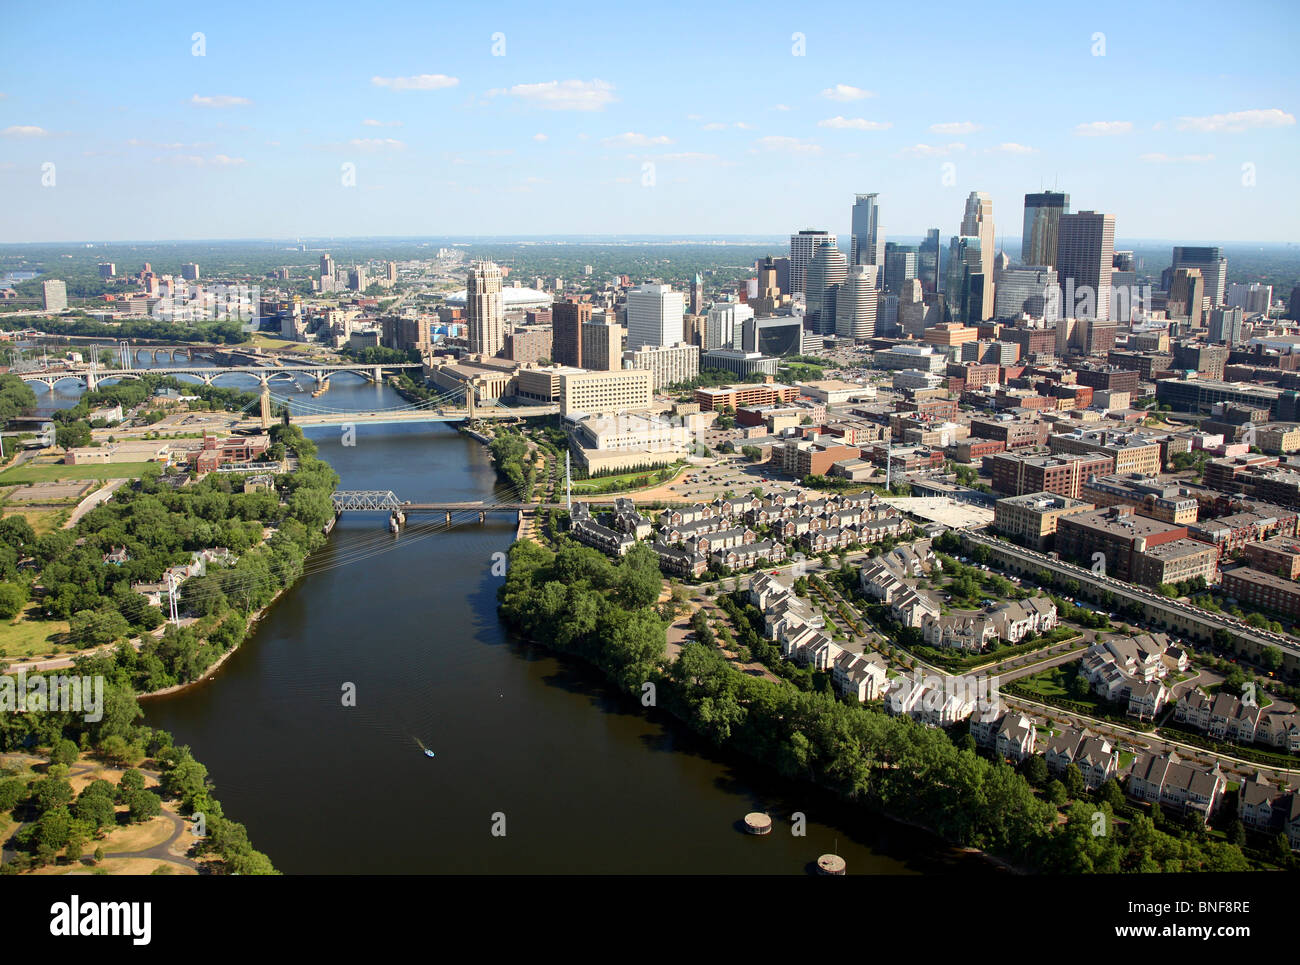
column 471, row 390
column 266, row 406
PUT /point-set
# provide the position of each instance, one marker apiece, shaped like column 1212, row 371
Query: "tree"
column 143, row 805
column 1034, row 768
column 64, row 752
column 131, row 782
column 1073, row 781
column 1056, row 793
column 13, row 597
column 1110, row 793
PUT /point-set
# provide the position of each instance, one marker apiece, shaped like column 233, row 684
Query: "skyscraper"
column 825, row 274
column 927, row 261
column 697, row 295
column 654, row 316
column 1226, row 325
column 1187, row 296
column 856, row 303
column 965, row 282
column 1042, row 220
column 326, row 266
column 864, row 242
column 567, row 319
column 1214, row 269
column 54, row 295
column 802, row 248
column 190, row 272
column 900, row 265
column 977, row 222
column 1085, row 256
column 1029, row 290
column 485, row 309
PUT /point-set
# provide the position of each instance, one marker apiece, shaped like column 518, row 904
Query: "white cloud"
column 540, row 137
column 855, row 123
column 416, row 82
column 715, row 126
column 1011, row 147
column 1237, row 121
column 932, row 150
column 1103, row 128
column 371, row 122
column 630, row 139
column 844, row 92
column 743, row 126
column 955, row 127
column 563, row 95
column 25, row 130
column 223, row 160
column 376, row 143
column 219, row 100
column 791, row 145
column 1159, row 158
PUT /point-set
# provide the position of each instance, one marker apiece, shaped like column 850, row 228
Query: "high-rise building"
column 782, row 266
column 1030, row 290
column 1226, row 325
column 927, row 261
column 190, row 272
column 965, row 281
column 390, row 273
column 602, row 345
column 899, row 265
column 723, row 327
column 977, row 222
column 1214, row 269
column 697, row 295
column 856, row 303
column 1187, row 296
column 865, row 241
column 1253, row 299
column 485, row 309
column 1085, row 256
column 667, row 364
column 567, row 320
column 825, row 274
column 326, row 266
column 654, row 316
column 55, row 295
column 1042, row 219
column 802, row 248
column 357, row 279
column 107, row 269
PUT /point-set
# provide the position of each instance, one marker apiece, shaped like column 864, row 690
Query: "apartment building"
column 1031, row 519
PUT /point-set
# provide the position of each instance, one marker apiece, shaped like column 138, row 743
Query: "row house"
column 828, row 540
column 627, row 520
column 736, row 505
column 591, row 533
column 875, row 530
column 926, row 704
column 1165, row 779
column 911, row 609
column 1018, row 618
column 1094, row 756
column 676, row 516
column 1145, row 700
column 1269, row 809
column 1226, row 717
column 677, row 561
column 680, row 533
column 783, row 610
column 723, row 539
column 1279, row 730
column 1010, row 736
column 860, row 675
column 969, row 632
column 750, row 554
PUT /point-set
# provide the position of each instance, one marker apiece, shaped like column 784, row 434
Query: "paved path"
column 93, row 501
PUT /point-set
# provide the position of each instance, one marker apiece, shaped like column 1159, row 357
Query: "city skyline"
column 480, row 124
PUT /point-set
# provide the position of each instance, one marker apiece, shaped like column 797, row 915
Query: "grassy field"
column 25, row 637
column 41, row 521
column 29, row 473
column 643, row 480
column 1049, row 683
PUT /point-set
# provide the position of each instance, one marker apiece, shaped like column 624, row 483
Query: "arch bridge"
column 91, row 377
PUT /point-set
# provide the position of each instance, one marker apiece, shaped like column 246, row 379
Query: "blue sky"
column 1156, row 112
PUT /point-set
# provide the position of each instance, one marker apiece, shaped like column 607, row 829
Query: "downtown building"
column 1085, row 256
column 865, row 247
column 654, row 316
column 803, row 246
column 667, row 364
column 485, row 310
column 1038, row 238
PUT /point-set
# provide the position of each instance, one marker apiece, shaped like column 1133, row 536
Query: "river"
column 587, row 783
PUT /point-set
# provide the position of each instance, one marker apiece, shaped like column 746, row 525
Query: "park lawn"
column 597, row 485
column 41, row 521
column 25, row 637
column 1049, row 683
column 1125, row 759
column 54, row 473
column 269, row 343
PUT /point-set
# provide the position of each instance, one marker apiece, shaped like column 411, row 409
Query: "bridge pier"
column 482, row 517
column 377, row 374
column 448, row 519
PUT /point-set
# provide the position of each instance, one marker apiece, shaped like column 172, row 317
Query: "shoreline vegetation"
column 577, row 601
column 158, row 525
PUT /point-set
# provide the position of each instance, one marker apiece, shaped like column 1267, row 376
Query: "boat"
column 429, row 753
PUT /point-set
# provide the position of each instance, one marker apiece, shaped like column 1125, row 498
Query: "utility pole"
column 568, row 483
column 171, row 600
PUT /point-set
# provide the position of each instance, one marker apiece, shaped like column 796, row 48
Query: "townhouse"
column 1094, row 756
column 1009, row 735
column 1166, row 780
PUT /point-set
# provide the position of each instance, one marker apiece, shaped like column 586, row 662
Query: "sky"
column 198, row 121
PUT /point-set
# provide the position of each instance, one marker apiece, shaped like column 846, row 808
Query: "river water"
column 586, row 782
